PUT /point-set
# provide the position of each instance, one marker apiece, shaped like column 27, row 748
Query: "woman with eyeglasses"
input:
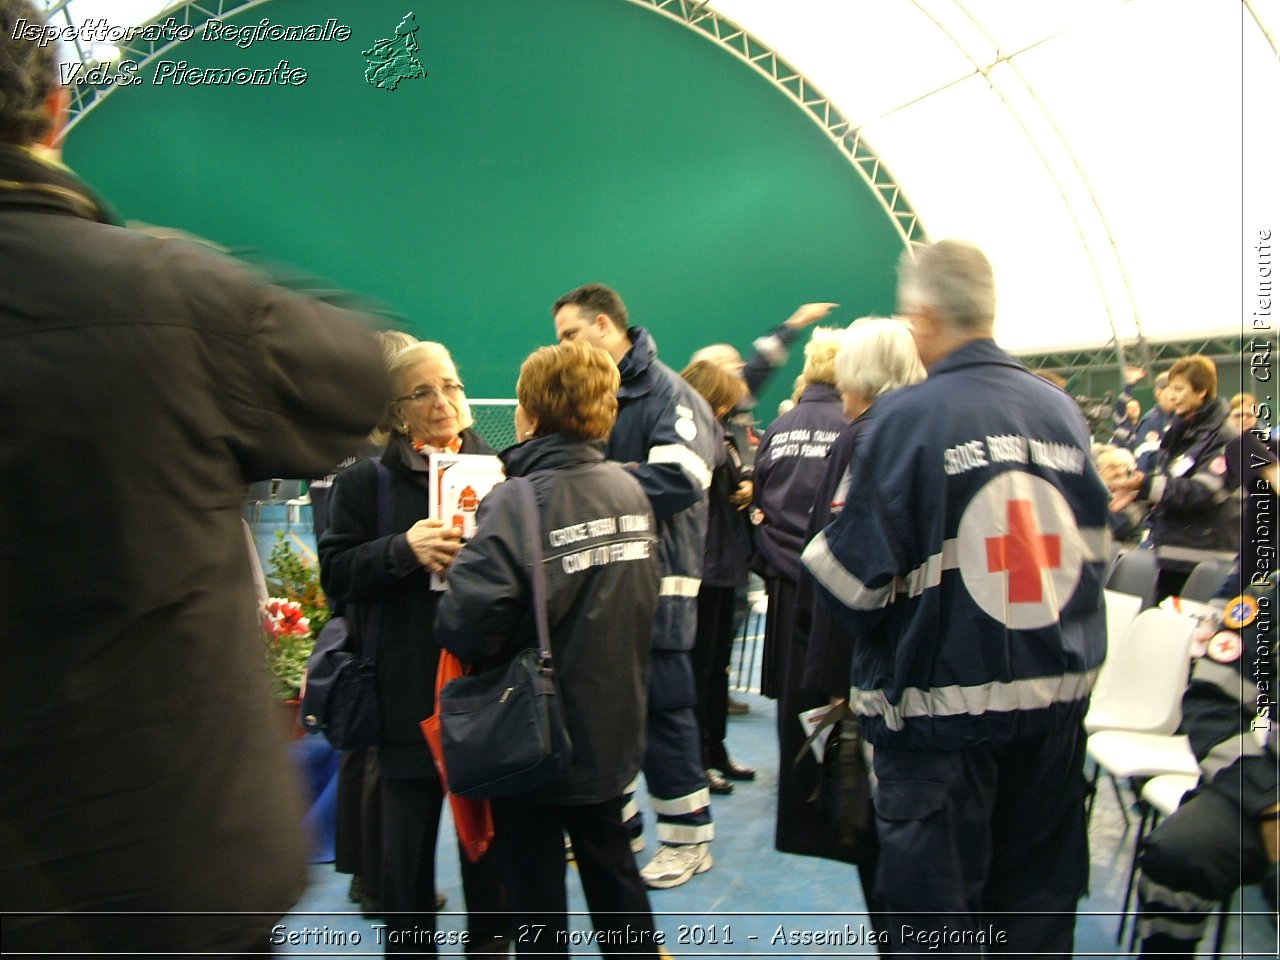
column 379, row 570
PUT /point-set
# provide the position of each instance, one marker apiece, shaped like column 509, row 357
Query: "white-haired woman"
column 877, row 355
column 379, row 569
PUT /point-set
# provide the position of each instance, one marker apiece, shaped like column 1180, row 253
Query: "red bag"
column 471, row 818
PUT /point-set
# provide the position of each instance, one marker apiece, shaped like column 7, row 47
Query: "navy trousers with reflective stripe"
column 1191, row 863
column 673, row 769
column 983, row 842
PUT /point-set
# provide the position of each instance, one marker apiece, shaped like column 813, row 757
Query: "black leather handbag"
column 503, row 731
column 340, row 697
column 843, row 827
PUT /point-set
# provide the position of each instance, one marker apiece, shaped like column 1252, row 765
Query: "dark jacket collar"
column 637, row 366
column 973, row 353
column 1208, row 419
column 30, row 182
column 820, row 393
column 552, row 452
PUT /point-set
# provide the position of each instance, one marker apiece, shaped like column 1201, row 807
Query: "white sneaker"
column 637, row 844
column 673, row 865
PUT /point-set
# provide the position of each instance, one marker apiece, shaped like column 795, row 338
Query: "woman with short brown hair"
column 1194, row 490
column 599, row 552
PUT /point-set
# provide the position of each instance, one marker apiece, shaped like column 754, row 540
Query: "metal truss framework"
column 838, row 128
column 1096, row 371
column 85, row 96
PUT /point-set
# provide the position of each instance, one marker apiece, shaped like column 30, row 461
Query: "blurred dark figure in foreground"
column 147, row 804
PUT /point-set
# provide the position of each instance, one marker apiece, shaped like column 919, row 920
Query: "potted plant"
column 291, row 618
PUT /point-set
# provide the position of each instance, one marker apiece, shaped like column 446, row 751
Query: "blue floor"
column 753, row 890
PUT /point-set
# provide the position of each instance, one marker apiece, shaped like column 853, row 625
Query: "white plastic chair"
column 1141, row 682
column 1122, row 609
column 1131, row 722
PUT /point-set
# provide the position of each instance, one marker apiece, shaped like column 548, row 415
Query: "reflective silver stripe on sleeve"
column 1227, row 679
column 1036, row 693
column 772, row 349
column 929, row 574
column 678, row 586
column 1209, row 481
column 1157, row 489
column 842, row 584
column 685, row 458
column 1147, row 447
column 1228, row 752
column 1094, row 544
column 1192, row 554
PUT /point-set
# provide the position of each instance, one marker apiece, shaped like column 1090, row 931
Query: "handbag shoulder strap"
column 538, row 576
column 382, row 528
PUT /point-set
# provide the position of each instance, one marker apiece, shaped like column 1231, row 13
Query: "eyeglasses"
column 432, row 394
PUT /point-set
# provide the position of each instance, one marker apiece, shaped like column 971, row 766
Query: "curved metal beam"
column 697, row 15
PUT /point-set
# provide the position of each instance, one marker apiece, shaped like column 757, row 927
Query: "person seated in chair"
column 1228, row 831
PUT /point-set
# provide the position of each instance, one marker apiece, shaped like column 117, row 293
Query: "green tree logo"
column 391, row 61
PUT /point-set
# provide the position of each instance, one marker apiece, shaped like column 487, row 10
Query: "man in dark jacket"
column 968, row 561
column 768, row 353
column 1153, row 425
column 665, row 435
column 147, row 804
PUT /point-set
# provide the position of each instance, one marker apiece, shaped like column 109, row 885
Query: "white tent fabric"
column 1115, row 158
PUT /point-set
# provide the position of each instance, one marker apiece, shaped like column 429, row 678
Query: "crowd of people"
column 928, row 521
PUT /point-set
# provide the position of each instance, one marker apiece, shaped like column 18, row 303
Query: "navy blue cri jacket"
column 969, row 558
column 790, row 467
column 1194, row 491
column 666, row 436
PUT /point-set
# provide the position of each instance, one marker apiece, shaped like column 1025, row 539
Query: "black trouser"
column 779, row 624
column 1191, row 863
column 712, row 650
column 531, row 850
column 987, row 844
column 358, row 839
column 410, row 823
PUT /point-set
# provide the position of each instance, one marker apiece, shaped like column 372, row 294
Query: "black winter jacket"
column 1196, row 514
column 145, row 383
column 379, row 577
column 599, row 553
column 728, row 555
